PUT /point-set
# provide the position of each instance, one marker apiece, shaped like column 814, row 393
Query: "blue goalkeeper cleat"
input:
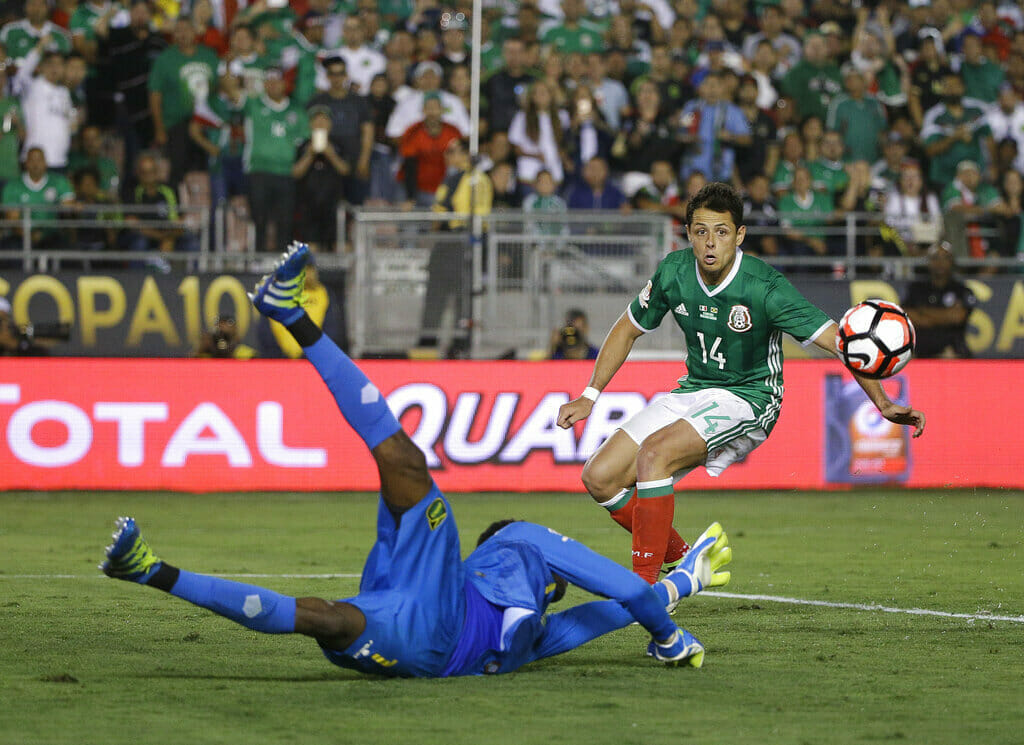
column 699, row 568
column 280, row 294
column 129, row 557
column 682, row 648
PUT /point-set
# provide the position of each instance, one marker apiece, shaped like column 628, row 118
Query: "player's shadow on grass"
column 340, row 676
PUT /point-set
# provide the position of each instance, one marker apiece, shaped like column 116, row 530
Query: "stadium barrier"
column 132, row 424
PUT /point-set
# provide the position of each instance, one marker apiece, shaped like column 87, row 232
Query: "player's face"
column 715, row 238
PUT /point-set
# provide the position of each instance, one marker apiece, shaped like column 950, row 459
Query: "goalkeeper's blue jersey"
column 429, row 614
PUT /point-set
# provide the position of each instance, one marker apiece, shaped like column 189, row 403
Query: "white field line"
column 866, row 607
column 713, row 594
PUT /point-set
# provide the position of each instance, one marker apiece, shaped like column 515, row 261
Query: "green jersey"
column 733, row 330
column 272, row 132
column 828, row 175
column 83, row 20
column 586, row 37
column 18, row 38
column 860, row 121
column 939, row 123
column 51, row 189
column 182, row 81
column 10, row 145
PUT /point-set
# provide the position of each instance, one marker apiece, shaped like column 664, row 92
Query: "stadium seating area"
column 814, row 108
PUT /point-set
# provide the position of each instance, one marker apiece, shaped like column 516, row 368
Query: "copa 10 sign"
column 210, row 425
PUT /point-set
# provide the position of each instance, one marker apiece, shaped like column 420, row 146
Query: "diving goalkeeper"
column 422, row 611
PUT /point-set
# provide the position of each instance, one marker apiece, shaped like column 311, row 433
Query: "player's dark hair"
column 494, row 528
column 717, row 197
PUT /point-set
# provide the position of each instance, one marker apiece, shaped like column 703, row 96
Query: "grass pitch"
column 85, row 659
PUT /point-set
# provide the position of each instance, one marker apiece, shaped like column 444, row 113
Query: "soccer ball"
column 876, row 339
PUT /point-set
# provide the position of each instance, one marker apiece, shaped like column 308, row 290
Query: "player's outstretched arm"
column 892, row 411
column 614, row 351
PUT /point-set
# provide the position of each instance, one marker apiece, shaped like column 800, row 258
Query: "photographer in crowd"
column 570, row 342
column 222, row 342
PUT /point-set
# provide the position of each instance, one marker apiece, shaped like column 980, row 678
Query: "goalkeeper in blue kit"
column 422, row 611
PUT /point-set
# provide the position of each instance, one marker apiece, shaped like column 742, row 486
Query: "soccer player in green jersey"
column 733, row 310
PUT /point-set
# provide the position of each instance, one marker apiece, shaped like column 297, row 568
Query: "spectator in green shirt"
column 803, row 212
column 813, row 81
column 274, row 127
column 21, row 36
column 981, row 76
column 574, row 33
column 967, row 200
column 182, row 75
column 953, row 131
column 37, row 187
column 828, row 172
column 858, row 116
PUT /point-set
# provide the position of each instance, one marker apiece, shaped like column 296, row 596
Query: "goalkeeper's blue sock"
column 254, row 607
column 362, row 405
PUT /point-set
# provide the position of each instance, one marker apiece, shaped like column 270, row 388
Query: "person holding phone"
column 319, row 174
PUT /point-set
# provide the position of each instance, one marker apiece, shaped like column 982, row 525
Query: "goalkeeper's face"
column 715, row 238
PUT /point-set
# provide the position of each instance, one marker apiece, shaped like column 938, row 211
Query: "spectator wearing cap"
column 351, row 128
column 939, row 307
column 912, row 212
column 274, row 127
column 427, row 78
column 886, row 170
column 182, row 74
column 955, row 130
column 927, row 75
column 503, row 89
column 786, row 46
column 330, row 21
column 815, row 80
column 713, row 128
column 574, row 32
column 131, row 51
column 218, row 127
column 981, row 76
column 422, row 149
column 454, row 51
column 320, row 172
column 858, row 116
column 362, row 60
column 968, row 199
column 34, row 30
column 1006, row 120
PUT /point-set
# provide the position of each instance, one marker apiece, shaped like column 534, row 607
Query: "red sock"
column 623, row 515
column 652, row 522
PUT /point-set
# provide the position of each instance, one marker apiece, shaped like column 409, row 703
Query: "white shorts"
column 724, row 421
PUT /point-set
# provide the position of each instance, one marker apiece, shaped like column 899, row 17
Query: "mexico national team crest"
column 739, row 318
column 645, row 294
column 436, row 513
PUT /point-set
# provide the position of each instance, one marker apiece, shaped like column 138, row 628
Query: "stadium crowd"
column 813, row 108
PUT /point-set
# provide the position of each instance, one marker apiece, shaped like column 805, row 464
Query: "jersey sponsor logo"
column 739, row 319
column 708, row 312
column 645, row 294
column 681, row 309
column 436, row 513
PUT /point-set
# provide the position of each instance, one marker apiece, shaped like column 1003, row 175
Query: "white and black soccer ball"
column 876, row 339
